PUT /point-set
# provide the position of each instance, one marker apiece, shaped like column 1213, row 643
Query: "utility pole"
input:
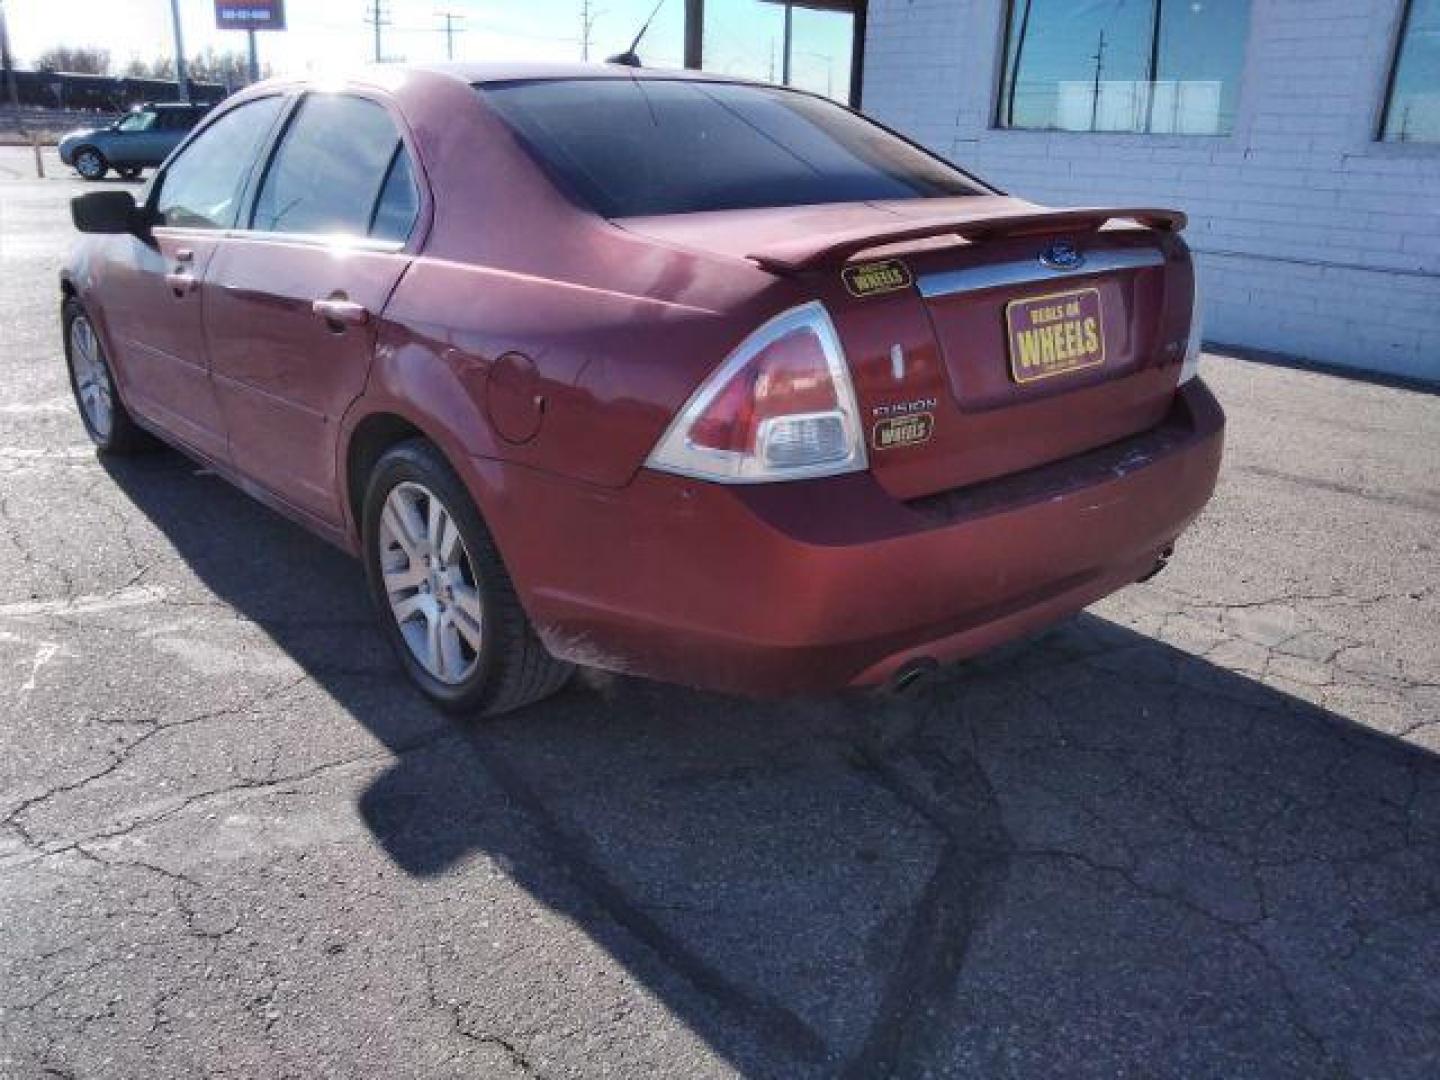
column 377, row 16
column 182, row 73
column 1099, row 59
column 451, row 18
column 785, row 52
column 1154, row 72
column 588, row 15
column 12, row 91
column 254, row 62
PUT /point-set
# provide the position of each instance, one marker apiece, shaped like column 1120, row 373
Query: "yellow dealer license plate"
column 1055, row 334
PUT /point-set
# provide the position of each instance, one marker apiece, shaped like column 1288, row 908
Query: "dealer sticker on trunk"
column 906, row 430
column 1055, row 334
column 868, row 279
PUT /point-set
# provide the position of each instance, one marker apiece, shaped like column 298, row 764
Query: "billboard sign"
column 250, row 14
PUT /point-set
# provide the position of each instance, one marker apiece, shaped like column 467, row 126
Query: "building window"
column 1412, row 111
column 1160, row 66
column 802, row 43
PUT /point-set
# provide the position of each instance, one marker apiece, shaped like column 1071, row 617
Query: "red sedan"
column 671, row 374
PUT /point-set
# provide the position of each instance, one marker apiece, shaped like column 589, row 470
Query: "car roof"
column 517, row 71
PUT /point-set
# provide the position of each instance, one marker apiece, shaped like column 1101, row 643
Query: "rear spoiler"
column 797, row 256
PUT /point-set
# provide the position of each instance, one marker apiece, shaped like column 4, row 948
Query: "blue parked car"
column 142, row 137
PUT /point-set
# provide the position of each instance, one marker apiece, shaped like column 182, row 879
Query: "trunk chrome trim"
column 1028, row 271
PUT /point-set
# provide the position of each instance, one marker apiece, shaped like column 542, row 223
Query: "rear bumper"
column 808, row 586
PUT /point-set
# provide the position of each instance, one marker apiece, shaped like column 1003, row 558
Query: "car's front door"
column 136, row 139
column 153, row 295
column 293, row 301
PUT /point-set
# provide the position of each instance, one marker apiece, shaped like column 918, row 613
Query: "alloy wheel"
column 92, row 377
column 89, row 164
column 430, row 583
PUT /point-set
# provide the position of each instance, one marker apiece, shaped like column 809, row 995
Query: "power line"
column 377, row 16
column 450, row 31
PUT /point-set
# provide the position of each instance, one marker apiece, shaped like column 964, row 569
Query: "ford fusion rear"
column 671, row 374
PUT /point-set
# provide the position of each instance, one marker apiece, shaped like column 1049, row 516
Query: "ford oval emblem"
column 1062, row 255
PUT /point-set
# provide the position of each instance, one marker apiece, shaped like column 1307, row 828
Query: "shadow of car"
column 1090, row 847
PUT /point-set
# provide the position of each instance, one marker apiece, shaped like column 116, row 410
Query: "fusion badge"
column 869, row 279
column 1055, row 334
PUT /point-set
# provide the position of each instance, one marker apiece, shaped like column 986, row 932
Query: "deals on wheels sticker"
column 906, row 430
column 1055, row 334
column 869, row 279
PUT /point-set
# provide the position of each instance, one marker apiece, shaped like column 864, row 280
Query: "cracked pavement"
column 1192, row 832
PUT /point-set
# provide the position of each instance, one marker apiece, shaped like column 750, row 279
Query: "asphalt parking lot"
column 1193, row 832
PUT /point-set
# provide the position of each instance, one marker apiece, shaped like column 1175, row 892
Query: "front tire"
column 443, row 595
column 106, row 420
column 90, row 163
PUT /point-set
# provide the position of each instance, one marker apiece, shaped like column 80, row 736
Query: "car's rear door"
column 168, row 133
column 152, row 296
column 293, row 301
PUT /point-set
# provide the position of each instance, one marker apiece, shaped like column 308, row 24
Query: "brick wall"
column 1312, row 239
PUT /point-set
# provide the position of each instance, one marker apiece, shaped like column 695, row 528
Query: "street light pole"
column 182, row 73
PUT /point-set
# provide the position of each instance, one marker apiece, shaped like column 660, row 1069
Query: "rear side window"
column 661, row 146
column 177, row 120
column 340, row 170
column 201, row 188
column 399, row 200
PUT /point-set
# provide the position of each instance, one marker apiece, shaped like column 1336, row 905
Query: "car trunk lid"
column 987, row 335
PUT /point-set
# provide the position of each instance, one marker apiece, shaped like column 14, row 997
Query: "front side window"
column 201, row 189
column 331, row 171
column 137, row 121
column 1412, row 113
column 631, row 147
column 1123, row 65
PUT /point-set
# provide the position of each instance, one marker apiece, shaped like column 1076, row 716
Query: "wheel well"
column 371, row 438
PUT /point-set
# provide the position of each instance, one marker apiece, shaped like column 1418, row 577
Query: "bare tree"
column 228, row 68
column 82, row 60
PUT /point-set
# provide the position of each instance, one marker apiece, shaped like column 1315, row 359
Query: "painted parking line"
column 128, row 597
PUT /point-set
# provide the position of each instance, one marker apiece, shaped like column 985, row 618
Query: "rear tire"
column 90, row 163
column 92, row 381
column 443, row 595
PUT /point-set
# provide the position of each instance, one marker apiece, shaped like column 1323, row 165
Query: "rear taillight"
column 781, row 407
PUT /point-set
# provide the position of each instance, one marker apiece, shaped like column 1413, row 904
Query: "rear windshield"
column 631, row 147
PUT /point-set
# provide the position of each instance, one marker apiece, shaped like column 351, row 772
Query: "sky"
column 742, row 36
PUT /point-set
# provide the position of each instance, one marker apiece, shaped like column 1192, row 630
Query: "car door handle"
column 180, row 282
column 184, row 255
column 341, row 312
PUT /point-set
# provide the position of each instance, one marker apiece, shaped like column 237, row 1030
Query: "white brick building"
column 1314, row 237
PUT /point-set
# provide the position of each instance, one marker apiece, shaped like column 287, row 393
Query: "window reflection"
column 747, row 38
column 1161, row 66
column 1413, row 112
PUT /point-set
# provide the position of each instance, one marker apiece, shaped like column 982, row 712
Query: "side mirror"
column 107, row 212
